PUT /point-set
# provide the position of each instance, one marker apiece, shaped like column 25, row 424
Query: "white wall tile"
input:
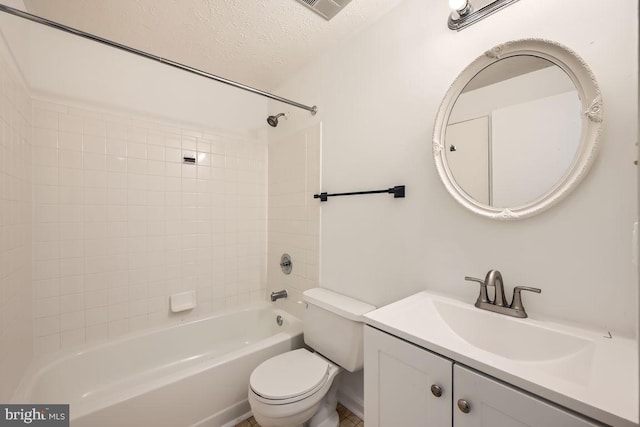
column 117, row 130
column 71, row 285
column 95, row 179
column 172, row 140
column 70, row 177
column 96, row 299
column 71, row 320
column 70, row 124
column 45, row 175
column 136, row 134
column 46, row 344
column 69, row 230
column 94, row 126
column 116, row 163
column 69, row 159
column 46, row 307
column 94, row 144
column 72, row 338
column 45, row 194
column 95, row 162
column 46, row 138
column 45, row 118
column 45, row 156
column 137, row 150
column 118, row 328
column 46, row 325
column 121, row 223
column 46, row 288
column 116, row 147
column 71, row 302
column 292, row 160
column 155, row 138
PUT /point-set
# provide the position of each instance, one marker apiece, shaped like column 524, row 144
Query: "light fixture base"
column 467, row 16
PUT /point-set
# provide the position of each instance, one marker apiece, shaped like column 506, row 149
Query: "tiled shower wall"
column 121, row 223
column 294, row 215
column 15, row 226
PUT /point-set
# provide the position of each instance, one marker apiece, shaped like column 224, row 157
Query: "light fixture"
column 464, row 13
column 461, row 7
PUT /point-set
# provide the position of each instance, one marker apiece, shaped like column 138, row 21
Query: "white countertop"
column 599, row 381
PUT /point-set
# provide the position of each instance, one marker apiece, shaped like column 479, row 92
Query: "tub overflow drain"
column 279, row 320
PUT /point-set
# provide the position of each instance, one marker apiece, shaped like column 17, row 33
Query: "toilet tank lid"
column 341, row 305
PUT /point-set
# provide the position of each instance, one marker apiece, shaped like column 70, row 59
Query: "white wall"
column 378, row 95
column 15, row 225
column 68, row 68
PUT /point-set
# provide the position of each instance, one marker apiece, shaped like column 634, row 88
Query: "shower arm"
column 34, row 18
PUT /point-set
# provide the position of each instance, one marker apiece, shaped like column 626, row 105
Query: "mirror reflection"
column 514, row 131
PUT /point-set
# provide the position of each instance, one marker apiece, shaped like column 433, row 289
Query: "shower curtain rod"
column 28, row 16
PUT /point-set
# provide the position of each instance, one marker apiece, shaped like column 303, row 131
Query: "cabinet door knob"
column 436, row 390
column 464, row 406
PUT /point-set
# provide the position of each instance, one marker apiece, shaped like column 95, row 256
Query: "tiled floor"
column 347, row 419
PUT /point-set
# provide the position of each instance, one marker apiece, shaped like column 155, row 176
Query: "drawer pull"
column 464, row 406
column 436, row 390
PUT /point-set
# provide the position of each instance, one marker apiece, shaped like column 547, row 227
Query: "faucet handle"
column 516, row 304
column 483, row 297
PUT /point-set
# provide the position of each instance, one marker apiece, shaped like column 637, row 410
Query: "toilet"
column 299, row 387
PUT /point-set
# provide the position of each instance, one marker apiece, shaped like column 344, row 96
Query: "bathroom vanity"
column 432, row 360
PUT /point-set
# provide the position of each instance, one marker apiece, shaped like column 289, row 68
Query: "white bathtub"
column 190, row 374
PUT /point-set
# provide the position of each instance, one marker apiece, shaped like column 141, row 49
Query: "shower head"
column 273, row 120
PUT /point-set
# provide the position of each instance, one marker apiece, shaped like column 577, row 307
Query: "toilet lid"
column 288, row 375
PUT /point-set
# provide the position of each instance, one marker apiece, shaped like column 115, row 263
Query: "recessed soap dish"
column 182, row 301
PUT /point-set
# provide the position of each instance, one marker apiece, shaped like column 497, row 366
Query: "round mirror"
column 518, row 129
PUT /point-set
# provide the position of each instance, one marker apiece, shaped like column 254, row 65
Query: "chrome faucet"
column 499, row 303
column 278, row 294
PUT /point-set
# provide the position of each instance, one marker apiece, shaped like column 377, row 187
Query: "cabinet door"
column 397, row 383
column 494, row 404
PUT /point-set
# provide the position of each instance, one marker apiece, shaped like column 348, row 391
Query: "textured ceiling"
column 259, row 43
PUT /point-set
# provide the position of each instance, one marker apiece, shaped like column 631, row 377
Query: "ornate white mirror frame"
column 591, row 104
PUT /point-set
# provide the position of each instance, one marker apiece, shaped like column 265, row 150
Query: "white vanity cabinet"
column 495, row 404
column 399, row 377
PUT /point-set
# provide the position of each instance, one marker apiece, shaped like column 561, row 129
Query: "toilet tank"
column 334, row 327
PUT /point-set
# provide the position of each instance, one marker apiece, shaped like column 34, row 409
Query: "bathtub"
column 192, row 374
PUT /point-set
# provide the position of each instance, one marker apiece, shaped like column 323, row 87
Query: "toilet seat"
column 289, row 377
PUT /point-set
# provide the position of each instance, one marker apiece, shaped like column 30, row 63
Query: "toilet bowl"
column 294, row 387
column 300, row 386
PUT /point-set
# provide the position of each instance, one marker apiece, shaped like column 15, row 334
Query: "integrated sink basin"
column 508, row 337
column 562, row 363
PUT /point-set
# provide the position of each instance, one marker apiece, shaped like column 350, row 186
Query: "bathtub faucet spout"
column 279, row 294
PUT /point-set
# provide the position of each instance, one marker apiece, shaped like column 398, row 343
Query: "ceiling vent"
column 325, row 8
